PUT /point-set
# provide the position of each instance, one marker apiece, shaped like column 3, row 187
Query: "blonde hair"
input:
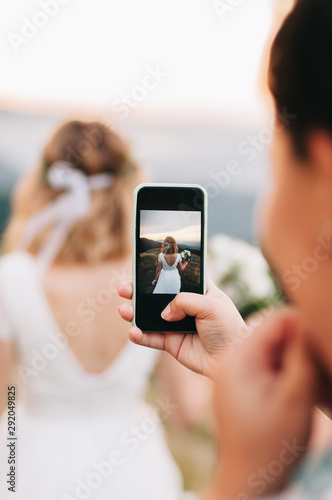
column 169, row 245
column 104, row 233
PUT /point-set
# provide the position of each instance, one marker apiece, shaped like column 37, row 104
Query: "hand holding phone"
column 219, row 327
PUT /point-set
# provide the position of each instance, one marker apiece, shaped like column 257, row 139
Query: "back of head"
column 169, row 245
column 300, row 75
column 104, row 233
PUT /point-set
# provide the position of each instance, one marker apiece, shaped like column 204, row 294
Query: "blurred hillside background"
column 184, row 81
column 171, row 152
column 195, row 113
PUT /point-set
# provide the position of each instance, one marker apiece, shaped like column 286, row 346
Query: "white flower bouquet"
column 240, row 270
column 186, row 255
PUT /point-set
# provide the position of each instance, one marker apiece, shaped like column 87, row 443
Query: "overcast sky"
column 183, row 226
column 92, row 52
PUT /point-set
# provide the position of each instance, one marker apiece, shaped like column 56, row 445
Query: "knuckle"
column 178, row 300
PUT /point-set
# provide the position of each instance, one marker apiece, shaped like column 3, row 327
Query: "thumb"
column 190, row 304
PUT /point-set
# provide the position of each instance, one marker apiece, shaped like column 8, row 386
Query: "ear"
column 320, row 154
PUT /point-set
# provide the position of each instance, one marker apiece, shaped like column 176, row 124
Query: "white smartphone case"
column 138, row 188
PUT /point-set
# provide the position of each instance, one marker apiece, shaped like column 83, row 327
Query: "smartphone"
column 169, row 257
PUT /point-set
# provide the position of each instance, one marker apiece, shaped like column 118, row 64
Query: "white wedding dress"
column 169, row 280
column 79, row 435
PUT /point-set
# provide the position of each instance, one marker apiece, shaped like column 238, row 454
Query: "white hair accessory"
column 63, row 212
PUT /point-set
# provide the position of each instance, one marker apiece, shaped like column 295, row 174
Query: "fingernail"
column 166, row 312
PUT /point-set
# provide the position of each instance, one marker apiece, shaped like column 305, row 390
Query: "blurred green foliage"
column 4, row 211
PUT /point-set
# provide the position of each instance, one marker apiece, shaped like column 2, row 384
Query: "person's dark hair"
column 300, row 72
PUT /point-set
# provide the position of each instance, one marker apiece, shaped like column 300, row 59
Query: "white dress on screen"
column 79, row 435
column 169, row 280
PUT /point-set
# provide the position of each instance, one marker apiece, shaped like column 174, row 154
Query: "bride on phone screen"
column 167, row 277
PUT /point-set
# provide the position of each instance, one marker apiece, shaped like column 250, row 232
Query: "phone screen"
column 169, row 252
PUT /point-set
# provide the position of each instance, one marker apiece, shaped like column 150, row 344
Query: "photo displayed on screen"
column 170, row 251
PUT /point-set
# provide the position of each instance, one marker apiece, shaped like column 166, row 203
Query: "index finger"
column 125, row 290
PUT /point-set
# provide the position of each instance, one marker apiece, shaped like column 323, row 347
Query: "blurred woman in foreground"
column 83, row 429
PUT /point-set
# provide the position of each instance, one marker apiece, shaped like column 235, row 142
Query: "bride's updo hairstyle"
column 104, row 234
column 300, row 72
column 169, row 245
